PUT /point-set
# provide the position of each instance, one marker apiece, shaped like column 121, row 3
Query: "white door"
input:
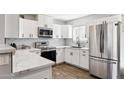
column 56, row 31
column 41, row 20
column 75, row 57
column 68, row 55
column 28, row 28
column 11, row 26
column 21, row 28
column 66, row 31
column 84, row 59
column 60, row 55
column 33, row 29
column 49, row 21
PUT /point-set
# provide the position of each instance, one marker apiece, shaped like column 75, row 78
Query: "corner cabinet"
column 45, row 21
column 62, row 31
column 16, row 27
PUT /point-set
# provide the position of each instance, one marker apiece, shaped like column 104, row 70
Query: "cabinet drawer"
column 84, row 52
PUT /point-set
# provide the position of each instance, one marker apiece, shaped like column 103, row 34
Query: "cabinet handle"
column 22, row 35
column 29, row 35
column 32, row 35
column 45, row 25
column 71, row 54
column 83, row 55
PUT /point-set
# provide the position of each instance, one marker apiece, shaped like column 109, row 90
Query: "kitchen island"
column 6, row 59
column 28, row 64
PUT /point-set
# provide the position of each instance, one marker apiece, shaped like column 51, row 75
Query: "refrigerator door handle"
column 100, row 40
column 102, row 36
column 104, row 60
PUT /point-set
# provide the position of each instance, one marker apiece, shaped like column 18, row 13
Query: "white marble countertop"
column 7, row 49
column 83, row 48
column 26, row 59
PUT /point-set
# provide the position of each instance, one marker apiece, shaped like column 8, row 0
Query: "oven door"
column 51, row 55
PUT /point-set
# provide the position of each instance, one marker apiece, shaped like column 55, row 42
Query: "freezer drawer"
column 102, row 68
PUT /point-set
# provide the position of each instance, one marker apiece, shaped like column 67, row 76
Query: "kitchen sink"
column 76, row 47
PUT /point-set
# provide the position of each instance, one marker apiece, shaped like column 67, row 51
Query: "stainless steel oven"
column 45, row 32
column 47, row 51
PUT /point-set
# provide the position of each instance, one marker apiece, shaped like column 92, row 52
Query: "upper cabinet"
column 17, row 26
column 62, row 31
column 66, row 31
column 45, row 21
column 27, row 28
column 11, row 26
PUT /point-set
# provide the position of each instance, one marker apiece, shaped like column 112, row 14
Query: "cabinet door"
column 68, row 55
column 45, row 21
column 59, row 55
column 28, row 28
column 41, row 20
column 66, row 31
column 75, row 57
column 56, row 31
column 11, row 26
column 33, row 29
column 49, row 21
column 84, row 59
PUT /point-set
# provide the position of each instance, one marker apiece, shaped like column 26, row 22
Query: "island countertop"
column 27, row 59
column 7, row 49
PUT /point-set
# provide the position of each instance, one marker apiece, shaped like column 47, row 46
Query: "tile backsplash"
column 31, row 42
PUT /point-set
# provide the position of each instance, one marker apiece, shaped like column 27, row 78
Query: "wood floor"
column 66, row 71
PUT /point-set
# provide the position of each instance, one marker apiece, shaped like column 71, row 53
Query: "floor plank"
column 66, row 71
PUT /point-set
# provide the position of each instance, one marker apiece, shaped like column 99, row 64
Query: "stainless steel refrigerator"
column 104, row 49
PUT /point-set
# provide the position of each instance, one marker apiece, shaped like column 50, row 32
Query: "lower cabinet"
column 60, row 55
column 72, row 56
column 84, row 59
column 77, row 57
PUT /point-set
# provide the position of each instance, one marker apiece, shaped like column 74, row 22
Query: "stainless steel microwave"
column 45, row 32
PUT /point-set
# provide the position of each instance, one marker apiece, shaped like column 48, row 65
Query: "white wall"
column 2, row 28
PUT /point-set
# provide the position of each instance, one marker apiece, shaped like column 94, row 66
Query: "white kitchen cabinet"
column 84, row 59
column 75, row 57
column 62, row 31
column 66, row 31
column 11, row 26
column 68, row 55
column 2, row 28
column 45, row 21
column 16, row 27
column 60, row 55
column 56, row 31
column 72, row 56
column 27, row 28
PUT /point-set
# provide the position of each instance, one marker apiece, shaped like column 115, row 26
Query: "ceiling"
column 67, row 17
